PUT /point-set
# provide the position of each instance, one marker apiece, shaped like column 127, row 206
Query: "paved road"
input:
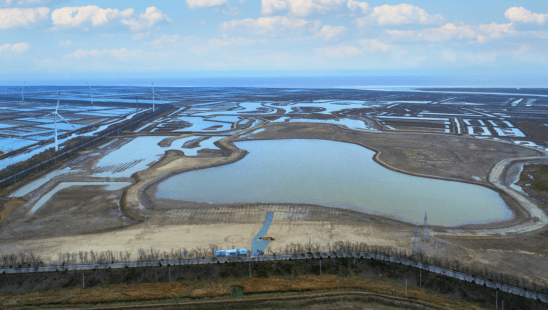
column 214, row 260
column 537, row 218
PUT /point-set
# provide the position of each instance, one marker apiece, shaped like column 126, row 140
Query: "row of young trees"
column 146, row 257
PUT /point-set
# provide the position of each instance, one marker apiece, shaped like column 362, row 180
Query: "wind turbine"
column 90, row 93
column 55, row 114
column 153, row 93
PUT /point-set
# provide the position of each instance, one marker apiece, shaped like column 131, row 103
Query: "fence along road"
column 209, row 260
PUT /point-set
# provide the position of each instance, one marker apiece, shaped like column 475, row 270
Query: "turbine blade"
column 44, row 116
column 65, row 120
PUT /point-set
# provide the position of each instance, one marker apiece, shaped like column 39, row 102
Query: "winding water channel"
column 335, row 174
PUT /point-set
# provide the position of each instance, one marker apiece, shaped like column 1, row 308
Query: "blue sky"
column 59, row 39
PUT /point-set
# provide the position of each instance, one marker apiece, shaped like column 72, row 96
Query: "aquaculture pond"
column 334, row 174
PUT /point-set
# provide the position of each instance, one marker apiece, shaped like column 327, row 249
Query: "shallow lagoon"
column 334, row 174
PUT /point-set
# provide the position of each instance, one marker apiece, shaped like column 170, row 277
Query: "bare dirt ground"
column 94, row 221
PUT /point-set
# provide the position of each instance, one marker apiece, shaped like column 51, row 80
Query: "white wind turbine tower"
column 90, row 93
column 153, row 93
column 55, row 114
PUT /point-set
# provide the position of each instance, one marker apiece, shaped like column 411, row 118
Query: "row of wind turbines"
column 56, row 112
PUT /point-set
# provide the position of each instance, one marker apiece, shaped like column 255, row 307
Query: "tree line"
column 146, row 257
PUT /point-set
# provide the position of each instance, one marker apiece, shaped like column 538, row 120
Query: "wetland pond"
column 335, row 174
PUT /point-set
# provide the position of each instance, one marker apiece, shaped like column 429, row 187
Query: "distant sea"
column 299, row 82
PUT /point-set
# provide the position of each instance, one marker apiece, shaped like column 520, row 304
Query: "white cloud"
column 283, row 57
column 65, row 43
column 354, row 5
column 196, row 4
column 398, row 15
column 140, row 35
column 231, row 11
column 484, row 57
column 374, row 45
column 493, row 31
column 17, row 17
column 71, row 17
column 450, row 31
column 300, row 7
column 443, row 33
column 165, row 39
column 271, row 25
column 329, row 32
column 23, row 3
column 522, row 15
column 149, row 19
column 67, row 17
column 339, row 51
column 17, row 48
column 96, row 53
column 239, row 41
column 270, row 6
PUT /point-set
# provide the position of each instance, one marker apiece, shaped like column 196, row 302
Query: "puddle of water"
column 253, row 132
column 329, row 107
column 199, row 124
column 10, row 144
column 35, row 184
column 225, row 118
column 144, row 151
column 206, row 144
column 110, row 186
column 334, row 174
column 350, row 123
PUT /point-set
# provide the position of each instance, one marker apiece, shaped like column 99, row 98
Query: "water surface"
column 334, row 174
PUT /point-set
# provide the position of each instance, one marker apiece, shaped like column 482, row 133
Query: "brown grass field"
column 207, row 291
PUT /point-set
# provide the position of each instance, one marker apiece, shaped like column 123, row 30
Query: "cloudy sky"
column 56, row 37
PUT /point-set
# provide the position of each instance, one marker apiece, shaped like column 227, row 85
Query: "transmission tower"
column 425, row 230
column 416, row 242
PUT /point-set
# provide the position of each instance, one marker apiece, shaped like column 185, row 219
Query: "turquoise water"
column 334, row 174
